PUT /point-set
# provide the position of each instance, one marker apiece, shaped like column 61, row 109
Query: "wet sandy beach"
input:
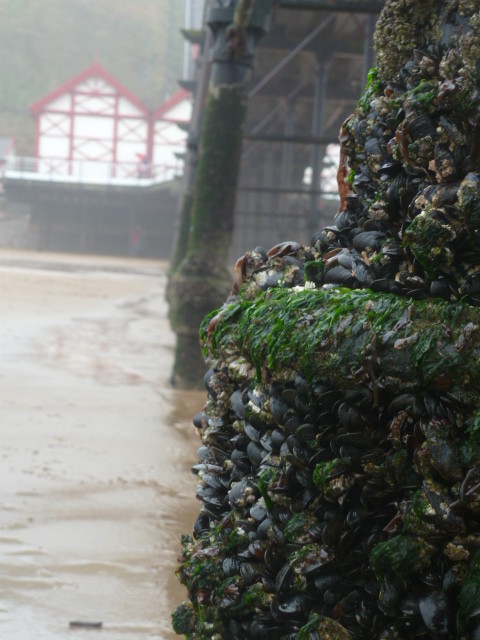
column 95, row 446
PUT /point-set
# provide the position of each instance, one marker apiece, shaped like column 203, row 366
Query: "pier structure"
column 106, row 169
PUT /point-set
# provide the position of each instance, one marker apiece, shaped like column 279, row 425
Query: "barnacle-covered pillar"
column 339, row 471
column 201, row 281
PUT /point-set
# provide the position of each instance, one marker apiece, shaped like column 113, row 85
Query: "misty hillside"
column 44, row 43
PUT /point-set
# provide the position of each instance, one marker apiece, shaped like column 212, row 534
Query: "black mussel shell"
column 237, row 404
column 437, row 614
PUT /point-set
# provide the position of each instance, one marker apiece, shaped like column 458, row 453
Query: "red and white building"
column 168, row 138
column 93, row 129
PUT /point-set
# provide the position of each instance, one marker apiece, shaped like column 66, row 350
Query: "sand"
column 96, row 449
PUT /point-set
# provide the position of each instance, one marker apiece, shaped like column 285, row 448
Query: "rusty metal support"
column 286, row 166
column 301, row 45
column 318, row 150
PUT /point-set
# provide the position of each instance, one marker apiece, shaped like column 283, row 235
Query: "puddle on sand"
column 96, row 449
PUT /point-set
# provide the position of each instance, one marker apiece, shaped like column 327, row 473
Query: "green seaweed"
column 323, row 470
column 237, row 540
column 319, row 626
column 328, row 333
column 373, row 88
column 428, row 240
column 314, row 271
column 423, row 95
column 184, row 619
column 426, row 344
column 254, row 596
column 414, row 520
column 350, row 177
column 267, row 477
column 403, row 555
column 294, row 525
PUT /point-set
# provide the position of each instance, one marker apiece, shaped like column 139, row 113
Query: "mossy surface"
column 182, row 233
column 267, row 477
column 211, row 220
column 199, row 281
column 343, row 336
column 197, row 286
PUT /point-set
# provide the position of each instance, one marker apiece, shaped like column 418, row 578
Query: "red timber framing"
column 93, row 126
column 93, row 118
column 167, row 138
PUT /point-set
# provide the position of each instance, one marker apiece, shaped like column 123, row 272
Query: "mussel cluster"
column 409, row 221
column 330, row 510
column 339, row 475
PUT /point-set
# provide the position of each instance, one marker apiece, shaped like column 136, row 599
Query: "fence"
column 90, row 171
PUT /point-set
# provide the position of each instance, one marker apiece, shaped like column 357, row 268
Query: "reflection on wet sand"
column 96, row 449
